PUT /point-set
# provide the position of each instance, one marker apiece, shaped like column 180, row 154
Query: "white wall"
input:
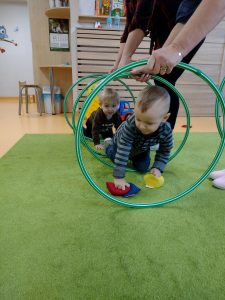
column 86, row 7
column 16, row 63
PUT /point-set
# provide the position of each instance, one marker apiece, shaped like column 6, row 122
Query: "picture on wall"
column 59, row 34
column 117, row 8
column 110, row 7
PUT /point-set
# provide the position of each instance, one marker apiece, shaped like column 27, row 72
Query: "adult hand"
column 155, row 172
column 99, row 147
column 124, row 61
column 162, row 61
column 121, row 63
column 120, row 183
column 114, row 67
column 141, row 78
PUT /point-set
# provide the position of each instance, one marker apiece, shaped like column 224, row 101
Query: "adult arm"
column 133, row 41
column 137, row 18
column 208, row 14
column 127, row 49
column 119, row 55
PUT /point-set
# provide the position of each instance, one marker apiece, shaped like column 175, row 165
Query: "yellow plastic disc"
column 152, row 181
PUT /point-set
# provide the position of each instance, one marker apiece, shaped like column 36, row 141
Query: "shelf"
column 61, row 66
column 86, row 18
column 58, row 12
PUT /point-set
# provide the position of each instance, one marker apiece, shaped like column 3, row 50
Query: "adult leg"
column 172, row 78
column 141, row 162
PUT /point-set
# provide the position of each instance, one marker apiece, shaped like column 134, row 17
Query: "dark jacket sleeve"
column 186, row 9
column 96, row 126
column 137, row 16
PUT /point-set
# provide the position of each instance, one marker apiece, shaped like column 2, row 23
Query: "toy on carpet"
column 125, row 109
column 128, row 192
column 152, row 181
column 133, row 190
column 115, row 191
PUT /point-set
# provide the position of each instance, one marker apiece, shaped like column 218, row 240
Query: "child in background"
column 218, row 179
column 101, row 121
column 145, row 128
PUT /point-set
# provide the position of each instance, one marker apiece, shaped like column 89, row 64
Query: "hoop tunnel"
column 95, row 91
column 97, row 154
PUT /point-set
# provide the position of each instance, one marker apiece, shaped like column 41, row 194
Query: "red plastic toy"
column 115, row 191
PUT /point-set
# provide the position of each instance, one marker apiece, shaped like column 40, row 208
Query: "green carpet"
column 59, row 239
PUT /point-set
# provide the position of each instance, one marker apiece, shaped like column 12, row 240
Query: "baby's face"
column 109, row 108
column 148, row 122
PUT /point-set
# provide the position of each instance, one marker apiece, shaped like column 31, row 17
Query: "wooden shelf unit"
column 45, row 60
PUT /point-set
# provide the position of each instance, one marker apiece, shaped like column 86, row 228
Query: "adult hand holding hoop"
column 162, row 61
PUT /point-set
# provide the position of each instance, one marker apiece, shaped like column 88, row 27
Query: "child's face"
column 148, row 122
column 109, row 108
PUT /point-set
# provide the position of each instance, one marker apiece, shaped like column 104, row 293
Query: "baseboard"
column 16, row 99
column 9, row 98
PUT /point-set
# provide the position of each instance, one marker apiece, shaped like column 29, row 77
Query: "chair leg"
column 26, row 95
column 38, row 94
column 20, row 100
column 37, row 100
column 38, row 97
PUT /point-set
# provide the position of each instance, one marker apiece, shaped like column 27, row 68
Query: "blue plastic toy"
column 125, row 110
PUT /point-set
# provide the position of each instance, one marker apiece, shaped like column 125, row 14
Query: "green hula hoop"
column 99, row 77
column 79, row 129
column 94, row 152
column 217, row 110
column 99, row 155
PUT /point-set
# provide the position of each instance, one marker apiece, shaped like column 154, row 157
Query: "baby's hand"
column 155, row 172
column 99, row 147
column 120, row 183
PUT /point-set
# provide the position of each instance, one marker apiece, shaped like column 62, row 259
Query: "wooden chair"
column 38, row 95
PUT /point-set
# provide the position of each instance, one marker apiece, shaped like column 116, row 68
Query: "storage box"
column 47, row 99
